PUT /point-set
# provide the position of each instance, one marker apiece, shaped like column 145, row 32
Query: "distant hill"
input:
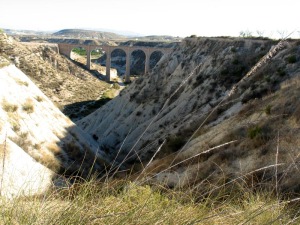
column 26, row 32
column 79, row 33
column 104, row 34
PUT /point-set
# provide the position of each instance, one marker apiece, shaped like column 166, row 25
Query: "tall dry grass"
column 124, row 202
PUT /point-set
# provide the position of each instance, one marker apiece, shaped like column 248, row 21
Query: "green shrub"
column 268, row 109
column 254, row 132
column 109, row 94
column 116, row 86
column 235, row 61
column 281, row 72
column 79, row 51
column 267, row 78
column 175, row 142
column 292, row 59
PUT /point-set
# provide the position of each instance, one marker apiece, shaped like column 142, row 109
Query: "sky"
column 182, row 18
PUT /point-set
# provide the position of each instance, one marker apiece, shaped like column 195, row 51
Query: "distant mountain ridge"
column 26, row 32
column 104, row 34
column 81, row 33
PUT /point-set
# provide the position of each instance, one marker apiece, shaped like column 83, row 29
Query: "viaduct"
column 65, row 49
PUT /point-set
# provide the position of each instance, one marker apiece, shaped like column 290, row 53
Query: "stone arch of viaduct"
column 65, row 49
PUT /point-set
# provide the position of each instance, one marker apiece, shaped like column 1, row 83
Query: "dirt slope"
column 183, row 105
column 60, row 79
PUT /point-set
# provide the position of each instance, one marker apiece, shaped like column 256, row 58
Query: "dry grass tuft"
column 15, row 126
column 73, row 150
column 39, row 98
column 54, row 148
column 28, row 106
column 22, row 141
column 20, row 82
column 8, row 107
column 14, row 120
column 49, row 160
column 3, row 64
column 2, row 151
column 3, row 61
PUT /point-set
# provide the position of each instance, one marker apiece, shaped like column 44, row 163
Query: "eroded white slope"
column 36, row 138
column 21, row 175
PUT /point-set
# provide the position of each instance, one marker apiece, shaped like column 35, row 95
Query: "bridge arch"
column 118, row 60
column 139, row 57
column 155, row 56
column 78, row 54
column 98, row 56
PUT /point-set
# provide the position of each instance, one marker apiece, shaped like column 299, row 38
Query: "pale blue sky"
column 170, row 17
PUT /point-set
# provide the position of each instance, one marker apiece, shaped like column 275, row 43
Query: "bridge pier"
column 147, row 61
column 88, row 59
column 65, row 49
column 108, row 64
column 127, row 73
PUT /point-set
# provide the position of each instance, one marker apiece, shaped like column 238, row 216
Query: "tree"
column 246, row 34
column 260, row 33
column 282, row 33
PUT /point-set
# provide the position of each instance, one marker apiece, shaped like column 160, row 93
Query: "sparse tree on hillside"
column 260, row 33
column 282, row 33
column 245, row 33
